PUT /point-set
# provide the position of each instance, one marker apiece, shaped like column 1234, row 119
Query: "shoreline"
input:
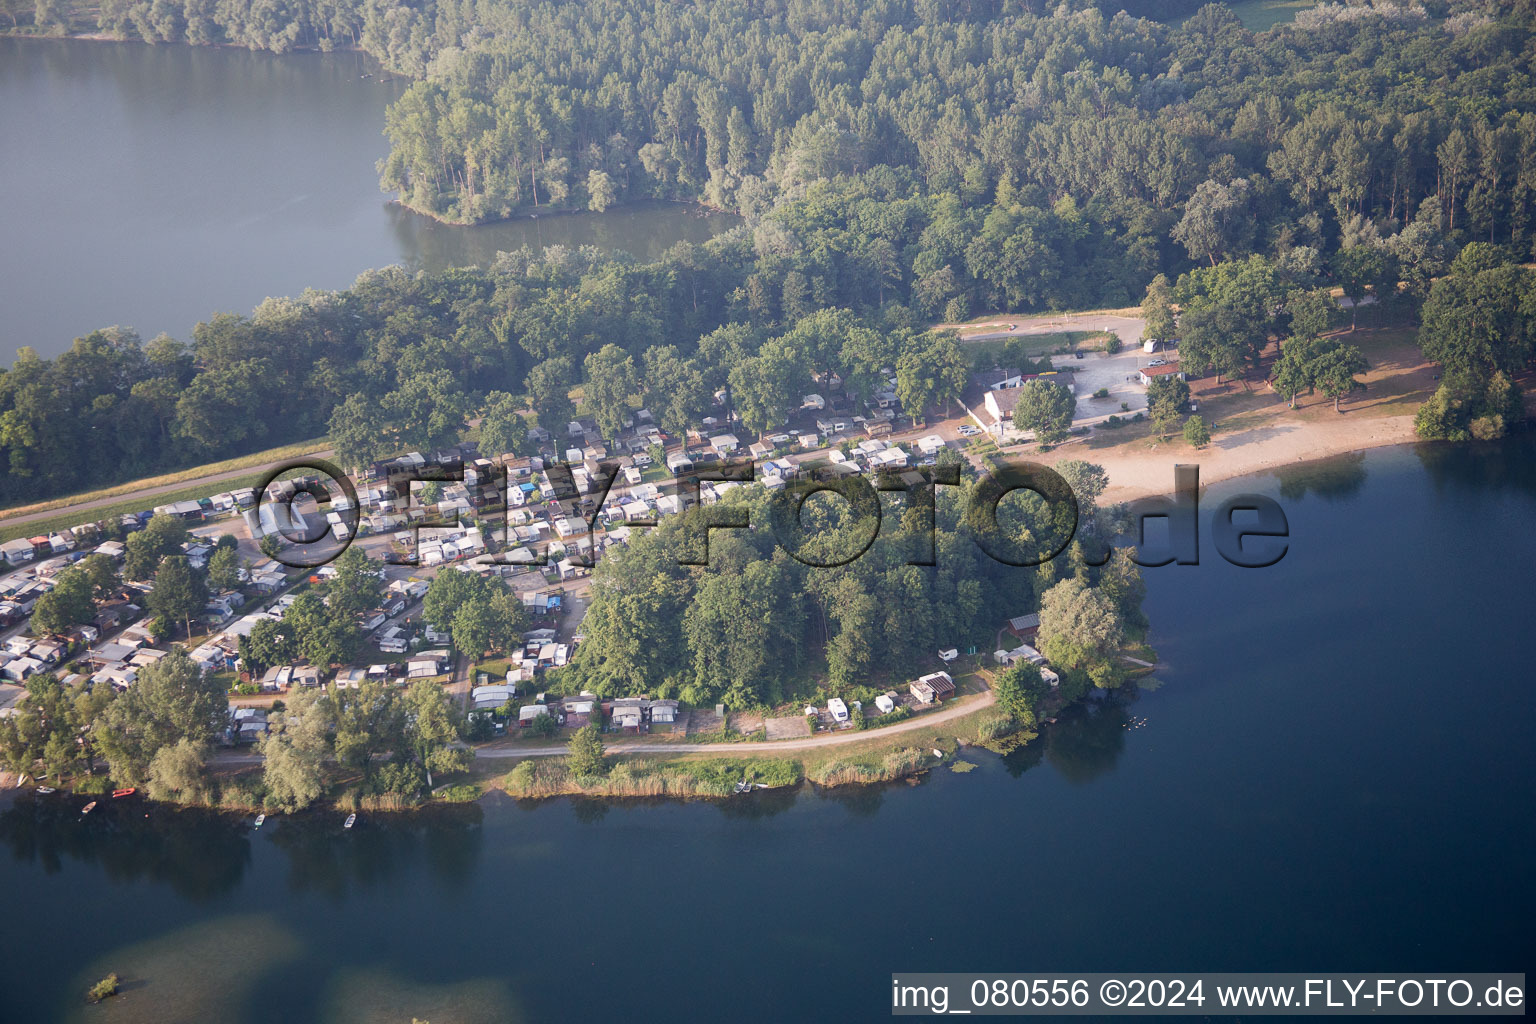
column 1153, row 478
column 535, row 212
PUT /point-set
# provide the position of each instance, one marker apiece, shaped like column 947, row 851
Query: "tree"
column 676, row 391
column 585, row 759
column 179, row 591
column 503, row 431
column 269, row 643
column 171, row 700
column 601, row 190
column 1356, row 268
column 611, row 383
column 324, row 634
column 1167, row 396
column 1196, row 433
column 1313, row 312
column 51, row 724
column 1157, row 310
column 1087, row 481
column 161, row 536
column 70, row 603
column 294, row 750
column 1079, row 627
column 224, row 569
column 1018, row 689
column 1045, row 408
column 358, row 431
column 98, row 568
column 368, row 722
column 431, row 727
column 549, row 393
column 1335, row 370
column 179, row 772
column 487, row 622
column 1479, row 322
column 931, row 371
column 358, row 585
column 1216, row 221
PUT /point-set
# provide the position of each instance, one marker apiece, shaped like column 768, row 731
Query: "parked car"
column 969, row 431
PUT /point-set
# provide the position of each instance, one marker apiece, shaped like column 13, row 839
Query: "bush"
column 1113, row 422
column 900, row 713
column 1103, row 393
column 542, row 727
column 1196, row 432
column 995, row 727
column 103, row 989
column 93, row 785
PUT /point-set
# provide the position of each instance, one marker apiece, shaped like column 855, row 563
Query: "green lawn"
column 1034, row 345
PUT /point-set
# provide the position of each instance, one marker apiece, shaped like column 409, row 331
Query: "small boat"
column 88, row 808
column 45, row 790
column 21, row 780
column 259, row 819
column 118, row 794
column 351, row 820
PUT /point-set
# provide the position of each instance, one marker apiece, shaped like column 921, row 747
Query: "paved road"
column 150, row 492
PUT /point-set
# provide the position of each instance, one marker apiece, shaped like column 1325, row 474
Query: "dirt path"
column 958, row 709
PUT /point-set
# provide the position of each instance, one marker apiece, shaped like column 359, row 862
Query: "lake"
column 1336, row 774
column 154, row 185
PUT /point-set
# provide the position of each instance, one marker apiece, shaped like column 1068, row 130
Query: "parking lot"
column 1115, row 372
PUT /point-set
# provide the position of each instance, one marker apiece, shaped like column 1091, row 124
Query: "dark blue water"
column 1335, row 775
column 152, row 186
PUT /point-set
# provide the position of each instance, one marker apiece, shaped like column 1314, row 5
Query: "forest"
column 750, row 627
column 895, row 164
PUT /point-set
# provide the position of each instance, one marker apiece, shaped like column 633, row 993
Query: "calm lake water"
column 1336, row 774
column 154, row 185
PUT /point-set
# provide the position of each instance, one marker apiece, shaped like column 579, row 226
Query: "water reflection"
column 1332, row 479
column 203, row 854
column 644, row 230
column 199, row 855
column 1508, row 465
column 326, row 859
column 1089, row 739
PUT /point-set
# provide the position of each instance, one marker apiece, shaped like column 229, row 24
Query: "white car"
column 969, row 431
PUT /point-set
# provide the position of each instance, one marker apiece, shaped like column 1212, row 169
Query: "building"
column 1150, row 373
column 1024, row 626
column 489, row 698
column 933, row 688
column 628, row 713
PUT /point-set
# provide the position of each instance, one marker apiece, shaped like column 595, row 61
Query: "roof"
column 939, row 682
column 1159, row 371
